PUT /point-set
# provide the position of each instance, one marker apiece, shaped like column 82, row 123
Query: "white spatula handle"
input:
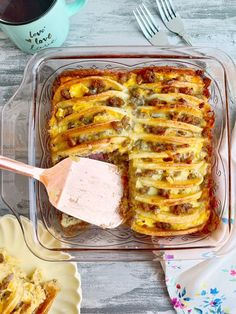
column 20, row 167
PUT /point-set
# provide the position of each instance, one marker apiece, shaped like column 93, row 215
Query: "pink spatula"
column 87, row 189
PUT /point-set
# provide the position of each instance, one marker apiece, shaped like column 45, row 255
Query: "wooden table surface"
column 121, row 288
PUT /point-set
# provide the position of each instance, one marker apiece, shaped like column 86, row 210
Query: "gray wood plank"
column 124, row 288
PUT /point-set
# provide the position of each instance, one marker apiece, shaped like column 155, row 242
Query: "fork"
column 149, row 27
column 171, row 19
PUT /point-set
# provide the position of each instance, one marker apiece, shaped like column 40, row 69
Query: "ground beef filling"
column 147, row 76
column 115, row 102
column 189, row 119
column 182, row 209
column 163, row 225
column 96, row 87
column 65, row 93
column 157, row 130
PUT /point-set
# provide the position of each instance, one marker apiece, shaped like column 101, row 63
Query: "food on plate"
column 23, row 294
column 155, row 124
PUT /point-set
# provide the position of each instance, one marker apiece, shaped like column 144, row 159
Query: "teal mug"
column 37, row 24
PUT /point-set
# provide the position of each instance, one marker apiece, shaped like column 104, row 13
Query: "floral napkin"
column 206, row 286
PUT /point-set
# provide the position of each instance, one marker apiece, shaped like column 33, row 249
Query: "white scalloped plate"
column 11, row 238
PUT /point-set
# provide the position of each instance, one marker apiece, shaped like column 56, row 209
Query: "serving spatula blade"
column 87, row 189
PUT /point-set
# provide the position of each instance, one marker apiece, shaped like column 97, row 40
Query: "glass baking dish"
column 24, row 137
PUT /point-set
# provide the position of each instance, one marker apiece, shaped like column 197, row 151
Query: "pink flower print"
column 181, row 299
column 233, row 272
column 169, row 257
column 177, row 303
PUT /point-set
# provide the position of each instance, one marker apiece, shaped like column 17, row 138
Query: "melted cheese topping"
column 78, row 90
column 160, row 122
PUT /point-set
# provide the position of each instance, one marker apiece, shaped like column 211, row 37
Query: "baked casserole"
column 155, row 124
column 22, row 294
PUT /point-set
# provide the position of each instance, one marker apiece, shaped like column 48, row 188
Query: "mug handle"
column 74, row 6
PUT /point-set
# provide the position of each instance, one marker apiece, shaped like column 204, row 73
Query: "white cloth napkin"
column 206, row 286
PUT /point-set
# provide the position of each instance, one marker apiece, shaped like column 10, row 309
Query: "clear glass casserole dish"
column 25, row 138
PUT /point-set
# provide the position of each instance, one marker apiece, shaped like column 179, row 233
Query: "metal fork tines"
column 149, row 26
column 171, row 19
